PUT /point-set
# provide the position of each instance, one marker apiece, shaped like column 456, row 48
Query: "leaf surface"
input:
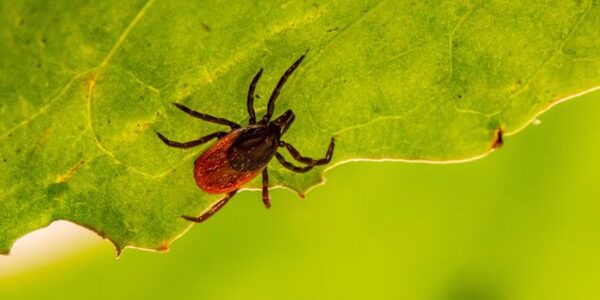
column 85, row 85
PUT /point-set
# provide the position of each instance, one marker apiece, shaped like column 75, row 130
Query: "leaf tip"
column 118, row 249
column 498, row 139
column 164, row 247
column 5, row 251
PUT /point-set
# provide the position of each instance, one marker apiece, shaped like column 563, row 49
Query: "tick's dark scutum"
column 254, row 148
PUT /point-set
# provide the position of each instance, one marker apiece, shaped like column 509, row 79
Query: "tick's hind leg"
column 205, row 117
column 191, row 144
column 265, row 188
column 307, row 160
column 212, row 210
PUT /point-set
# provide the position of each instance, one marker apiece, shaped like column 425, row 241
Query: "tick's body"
column 235, row 159
column 243, row 152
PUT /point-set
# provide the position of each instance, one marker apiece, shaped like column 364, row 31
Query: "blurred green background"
column 522, row 223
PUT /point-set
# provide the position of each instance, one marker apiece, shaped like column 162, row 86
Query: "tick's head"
column 283, row 122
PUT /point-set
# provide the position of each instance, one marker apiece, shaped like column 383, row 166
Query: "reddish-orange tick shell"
column 213, row 172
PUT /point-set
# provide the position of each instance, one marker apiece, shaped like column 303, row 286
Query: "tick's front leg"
column 191, row 144
column 307, row 160
column 290, row 166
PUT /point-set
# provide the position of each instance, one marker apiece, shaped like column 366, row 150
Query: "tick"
column 242, row 153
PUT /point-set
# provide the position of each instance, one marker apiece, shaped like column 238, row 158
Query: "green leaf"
column 85, row 85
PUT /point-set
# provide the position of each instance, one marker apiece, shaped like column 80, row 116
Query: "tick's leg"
column 265, row 188
column 282, row 80
column 191, row 144
column 250, row 102
column 307, row 160
column 206, row 117
column 290, row 166
column 212, row 210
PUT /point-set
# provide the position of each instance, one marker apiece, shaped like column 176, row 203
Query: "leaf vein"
column 103, row 64
column 42, row 110
column 125, row 33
